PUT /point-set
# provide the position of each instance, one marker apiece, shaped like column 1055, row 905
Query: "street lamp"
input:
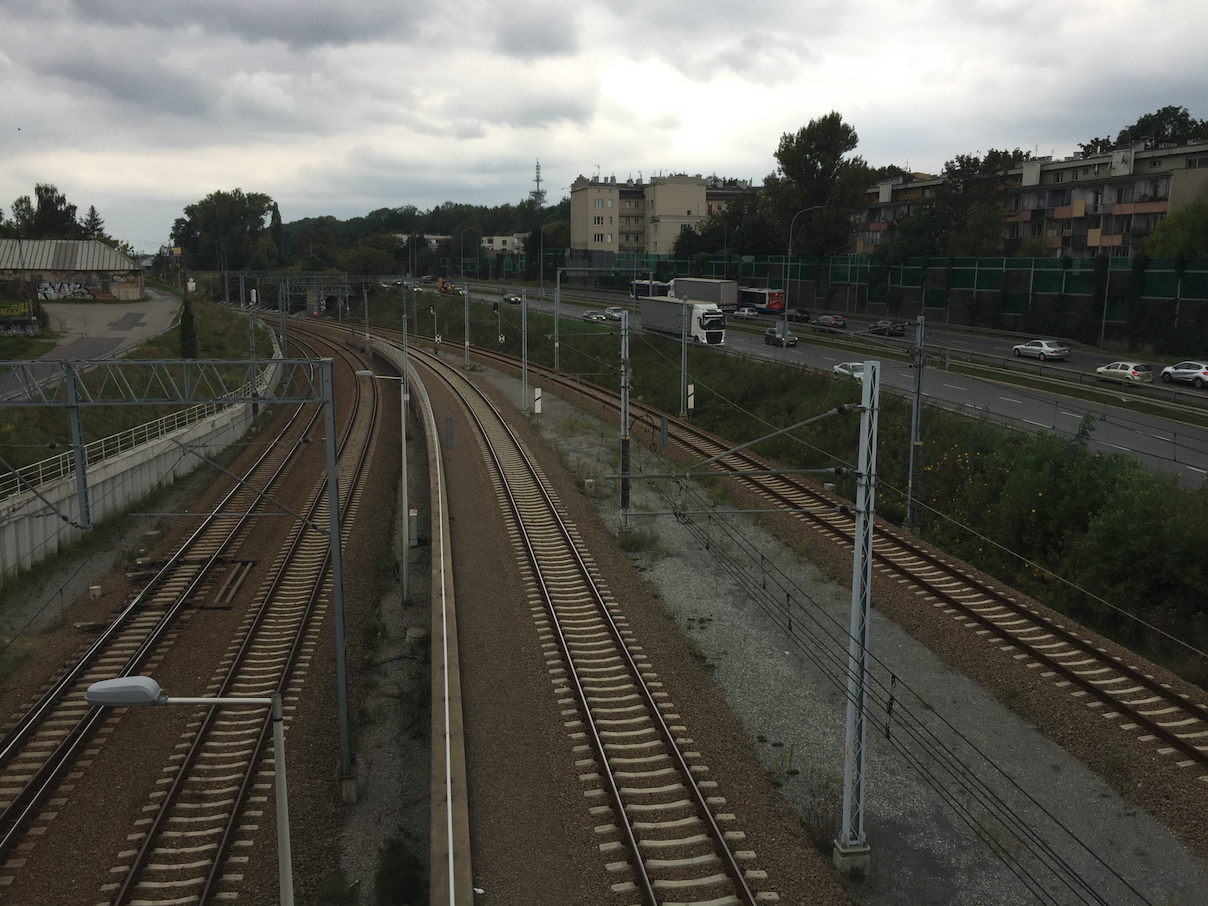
column 788, row 256
column 136, row 691
column 404, row 402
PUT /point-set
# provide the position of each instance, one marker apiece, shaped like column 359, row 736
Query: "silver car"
column 613, row 313
column 1125, row 373
column 1043, row 350
column 1194, row 373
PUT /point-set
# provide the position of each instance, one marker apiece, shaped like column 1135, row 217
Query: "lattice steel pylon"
column 851, row 851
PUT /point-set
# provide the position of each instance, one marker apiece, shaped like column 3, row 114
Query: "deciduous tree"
column 817, row 171
column 222, row 220
column 1181, row 234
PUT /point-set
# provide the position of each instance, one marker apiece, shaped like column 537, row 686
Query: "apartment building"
column 1105, row 204
column 644, row 217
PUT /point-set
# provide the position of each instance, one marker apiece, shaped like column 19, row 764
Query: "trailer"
column 639, row 289
column 706, row 323
column 722, row 293
column 764, row 301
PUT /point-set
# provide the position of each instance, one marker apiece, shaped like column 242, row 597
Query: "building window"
column 598, row 237
column 1194, row 162
column 598, row 221
column 610, row 221
column 505, row 243
column 610, row 202
column 1058, row 177
column 610, row 237
column 599, row 202
column 1155, row 163
column 627, row 204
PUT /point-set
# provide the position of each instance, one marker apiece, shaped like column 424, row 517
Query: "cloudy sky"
column 143, row 107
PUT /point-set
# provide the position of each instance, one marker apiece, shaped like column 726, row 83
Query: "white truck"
column 722, row 293
column 706, row 323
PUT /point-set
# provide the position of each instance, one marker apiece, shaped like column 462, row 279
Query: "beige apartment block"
column 644, row 217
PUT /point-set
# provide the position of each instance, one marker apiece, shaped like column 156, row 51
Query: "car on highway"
column 829, row 322
column 511, row 298
column 849, row 369
column 800, row 315
column 1125, row 373
column 746, row 312
column 1193, row 373
column 613, row 312
column 1042, row 349
column 889, row 328
column 773, row 337
column 427, row 278
column 593, row 316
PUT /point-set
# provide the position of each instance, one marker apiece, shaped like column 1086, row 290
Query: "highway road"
column 1162, row 444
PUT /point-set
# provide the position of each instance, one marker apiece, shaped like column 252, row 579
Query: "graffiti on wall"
column 64, row 290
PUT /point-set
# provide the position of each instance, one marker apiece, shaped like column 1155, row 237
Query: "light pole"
column 136, row 691
column 404, row 404
column 785, row 331
column 465, row 290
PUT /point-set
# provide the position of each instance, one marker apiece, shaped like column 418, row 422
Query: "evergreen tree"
column 188, row 331
column 92, row 224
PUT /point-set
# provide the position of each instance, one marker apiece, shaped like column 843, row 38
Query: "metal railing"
column 62, row 465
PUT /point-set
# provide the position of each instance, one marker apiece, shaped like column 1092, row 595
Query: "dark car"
column 800, row 315
column 889, row 328
column 773, row 338
column 593, row 316
column 511, row 298
column 830, row 322
column 427, row 278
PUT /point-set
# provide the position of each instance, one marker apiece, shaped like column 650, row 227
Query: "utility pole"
column 465, row 292
column 851, row 851
column 524, row 406
column 916, row 446
column 684, row 358
column 624, row 421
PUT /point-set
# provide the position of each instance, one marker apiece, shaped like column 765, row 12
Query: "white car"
column 746, row 312
column 1042, row 349
column 1194, row 373
column 613, row 313
column 849, row 369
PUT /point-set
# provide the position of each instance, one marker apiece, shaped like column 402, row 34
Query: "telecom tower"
column 538, row 194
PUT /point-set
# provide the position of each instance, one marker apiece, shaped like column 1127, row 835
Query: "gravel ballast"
column 790, row 699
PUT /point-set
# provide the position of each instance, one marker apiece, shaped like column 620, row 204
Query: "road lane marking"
column 1194, row 469
column 1117, row 446
column 1028, row 421
column 1071, row 414
column 954, row 387
column 1009, row 400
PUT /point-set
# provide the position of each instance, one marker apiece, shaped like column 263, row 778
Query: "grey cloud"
column 528, row 30
column 309, row 23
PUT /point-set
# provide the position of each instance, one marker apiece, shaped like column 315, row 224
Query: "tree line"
column 244, row 231
column 820, row 185
column 49, row 215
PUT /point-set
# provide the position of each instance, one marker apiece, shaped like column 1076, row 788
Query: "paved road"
column 99, row 330
column 1164, row 445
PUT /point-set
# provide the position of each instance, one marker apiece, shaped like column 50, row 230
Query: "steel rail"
column 24, row 806
column 126, row 891
column 730, row 864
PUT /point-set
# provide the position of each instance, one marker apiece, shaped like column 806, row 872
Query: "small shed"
column 71, row 269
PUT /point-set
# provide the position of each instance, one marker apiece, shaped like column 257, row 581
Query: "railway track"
column 666, row 837
column 193, row 838
column 1116, row 688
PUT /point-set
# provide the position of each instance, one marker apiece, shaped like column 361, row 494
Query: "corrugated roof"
column 62, row 255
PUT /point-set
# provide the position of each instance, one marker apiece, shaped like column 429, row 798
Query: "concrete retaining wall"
column 34, row 526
